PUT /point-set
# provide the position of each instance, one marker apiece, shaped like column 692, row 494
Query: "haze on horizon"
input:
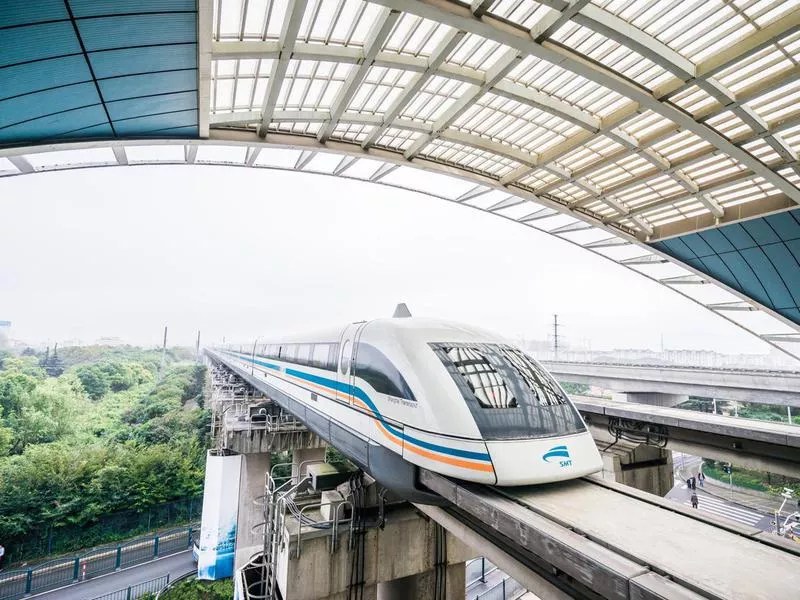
column 239, row 253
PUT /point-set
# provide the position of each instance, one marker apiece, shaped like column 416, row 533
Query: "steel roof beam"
column 289, row 30
column 622, row 32
column 438, row 56
column 455, row 15
column 433, row 66
column 204, row 39
column 382, row 29
column 500, row 69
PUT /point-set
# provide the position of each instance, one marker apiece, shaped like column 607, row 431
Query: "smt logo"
column 558, row 452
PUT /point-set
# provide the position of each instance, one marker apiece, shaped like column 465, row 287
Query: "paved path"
column 175, row 565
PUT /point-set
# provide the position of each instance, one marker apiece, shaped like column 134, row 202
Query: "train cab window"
column 484, row 381
column 509, row 395
column 537, row 379
column 376, row 369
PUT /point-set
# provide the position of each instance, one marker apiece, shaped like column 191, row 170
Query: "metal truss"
column 301, row 154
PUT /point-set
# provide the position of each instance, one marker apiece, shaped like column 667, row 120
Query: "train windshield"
column 509, row 394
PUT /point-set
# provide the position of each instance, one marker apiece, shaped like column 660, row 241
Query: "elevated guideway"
column 593, row 539
column 762, row 445
column 743, row 385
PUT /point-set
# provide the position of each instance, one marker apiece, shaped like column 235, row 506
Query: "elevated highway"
column 766, row 387
column 593, row 539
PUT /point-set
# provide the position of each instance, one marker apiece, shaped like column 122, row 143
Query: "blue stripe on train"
column 356, row 391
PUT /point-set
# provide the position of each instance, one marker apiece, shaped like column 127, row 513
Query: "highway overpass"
column 659, row 384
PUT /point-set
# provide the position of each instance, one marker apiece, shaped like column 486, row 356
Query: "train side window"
column 344, row 359
column 486, row 384
column 333, row 353
column 319, row 355
column 375, row 368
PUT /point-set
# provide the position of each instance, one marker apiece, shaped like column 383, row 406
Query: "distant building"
column 109, row 341
column 5, row 330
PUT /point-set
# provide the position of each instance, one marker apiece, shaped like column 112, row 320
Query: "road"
column 175, row 565
column 686, row 465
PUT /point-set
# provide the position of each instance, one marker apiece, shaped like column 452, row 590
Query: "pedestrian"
column 694, row 500
column 701, row 478
column 689, row 483
column 693, row 483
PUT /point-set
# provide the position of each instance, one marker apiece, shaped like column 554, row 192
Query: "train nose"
column 526, row 462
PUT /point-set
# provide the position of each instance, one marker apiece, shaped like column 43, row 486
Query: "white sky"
column 242, row 252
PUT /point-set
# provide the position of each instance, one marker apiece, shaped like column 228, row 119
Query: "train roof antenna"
column 401, row 311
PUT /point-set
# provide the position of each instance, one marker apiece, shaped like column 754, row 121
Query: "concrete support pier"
column 652, row 398
column 647, row 468
column 249, row 538
column 397, row 558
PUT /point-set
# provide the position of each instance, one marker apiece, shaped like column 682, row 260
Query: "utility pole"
column 163, row 353
column 197, row 347
column 555, row 337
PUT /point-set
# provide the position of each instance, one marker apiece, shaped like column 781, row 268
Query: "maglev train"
column 446, row 397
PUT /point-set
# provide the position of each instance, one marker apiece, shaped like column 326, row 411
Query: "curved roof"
column 663, row 134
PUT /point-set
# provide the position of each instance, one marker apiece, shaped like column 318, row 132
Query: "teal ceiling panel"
column 36, row 42
column 42, row 75
column 190, row 131
column 148, row 30
column 149, row 84
column 47, row 102
column 759, row 258
column 97, row 68
column 96, row 8
column 95, row 131
column 156, row 123
column 152, row 105
column 131, row 61
column 54, row 125
column 28, row 12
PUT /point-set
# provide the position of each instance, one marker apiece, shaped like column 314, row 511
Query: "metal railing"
column 99, row 561
column 506, row 589
column 478, row 569
column 153, row 586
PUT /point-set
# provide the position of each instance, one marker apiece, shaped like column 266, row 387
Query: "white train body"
column 450, row 398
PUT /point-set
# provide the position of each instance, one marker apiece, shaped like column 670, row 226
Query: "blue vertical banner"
column 220, row 511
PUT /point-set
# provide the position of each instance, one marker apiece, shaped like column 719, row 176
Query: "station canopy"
column 661, row 134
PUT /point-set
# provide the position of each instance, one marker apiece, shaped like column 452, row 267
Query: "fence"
column 48, row 540
column 140, row 589
column 99, row 561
